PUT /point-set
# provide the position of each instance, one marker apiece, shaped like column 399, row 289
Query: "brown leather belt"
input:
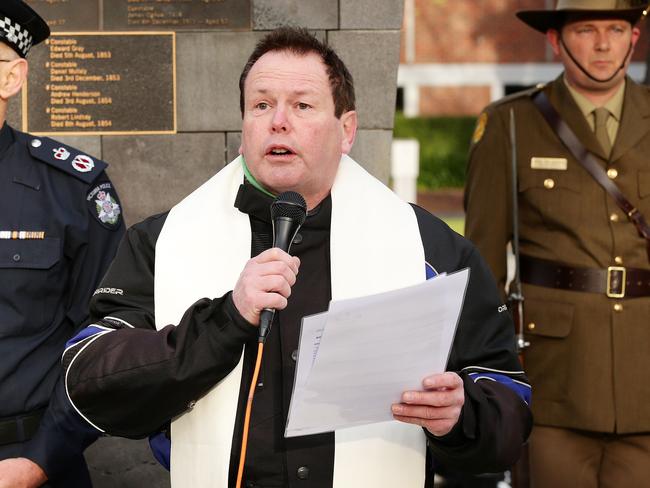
column 20, row 428
column 614, row 281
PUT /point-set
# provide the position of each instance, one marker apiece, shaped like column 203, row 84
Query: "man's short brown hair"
column 300, row 41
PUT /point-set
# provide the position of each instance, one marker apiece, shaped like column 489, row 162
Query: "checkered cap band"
column 17, row 35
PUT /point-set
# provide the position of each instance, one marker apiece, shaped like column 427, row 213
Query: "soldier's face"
column 291, row 139
column 600, row 46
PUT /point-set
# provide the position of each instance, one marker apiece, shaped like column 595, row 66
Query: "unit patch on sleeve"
column 481, row 123
column 104, row 205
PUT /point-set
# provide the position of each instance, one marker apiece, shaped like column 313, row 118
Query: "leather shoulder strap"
column 590, row 163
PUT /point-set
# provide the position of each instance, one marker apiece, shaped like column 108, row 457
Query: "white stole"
column 375, row 246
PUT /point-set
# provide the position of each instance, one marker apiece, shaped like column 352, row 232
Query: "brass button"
column 531, row 326
column 613, row 217
column 612, row 173
column 549, row 183
column 618, row 260
column 618, row 307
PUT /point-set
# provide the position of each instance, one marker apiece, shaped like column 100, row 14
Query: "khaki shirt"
column 614, row 105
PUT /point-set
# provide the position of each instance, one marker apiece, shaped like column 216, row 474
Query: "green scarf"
column 251, row 179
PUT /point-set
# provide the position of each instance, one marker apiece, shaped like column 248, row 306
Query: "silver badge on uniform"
column 108, row 210
column 104, row 204
column 557, row 164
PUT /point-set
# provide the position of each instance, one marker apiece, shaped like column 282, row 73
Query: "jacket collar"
column 635, row 120
column 6, row 139
column 566, row 106
column 253, row 202
column 634, row 123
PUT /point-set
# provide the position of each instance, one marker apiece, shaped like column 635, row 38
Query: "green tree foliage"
column 444, row 142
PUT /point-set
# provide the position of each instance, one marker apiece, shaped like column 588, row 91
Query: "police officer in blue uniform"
column 60, row 224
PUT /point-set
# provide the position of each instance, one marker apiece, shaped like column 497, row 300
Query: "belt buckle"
column 613, row 269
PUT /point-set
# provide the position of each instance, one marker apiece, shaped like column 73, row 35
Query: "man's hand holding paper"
column 436, row 407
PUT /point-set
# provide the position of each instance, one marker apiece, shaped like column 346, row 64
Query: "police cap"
column 21, row 27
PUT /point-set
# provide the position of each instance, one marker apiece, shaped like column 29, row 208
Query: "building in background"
column 459, row 55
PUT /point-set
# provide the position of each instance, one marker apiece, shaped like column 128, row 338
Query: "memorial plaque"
column 177, row 14
column 102, row 83
column 69, row 15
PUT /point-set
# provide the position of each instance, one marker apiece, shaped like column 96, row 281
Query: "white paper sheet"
column 355, row 360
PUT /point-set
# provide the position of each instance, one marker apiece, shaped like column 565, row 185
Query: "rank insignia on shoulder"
column 66, row 158
column 83, row 163
column 61, row 153
column 104, row 205
column 479, row 130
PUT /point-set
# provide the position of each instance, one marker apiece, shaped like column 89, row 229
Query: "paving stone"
column 91, row 145
column 372, row 57
column 371, row 14
column 153, row 173
column 311, row 14
column 15, row 113
column 208, row 68
column 114, row 462
column 233, row 141
column 372, row 151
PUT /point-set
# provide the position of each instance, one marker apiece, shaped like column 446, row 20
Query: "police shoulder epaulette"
column 529, row 92
column 65, row 158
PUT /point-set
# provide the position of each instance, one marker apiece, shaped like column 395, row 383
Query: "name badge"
column 559, row 164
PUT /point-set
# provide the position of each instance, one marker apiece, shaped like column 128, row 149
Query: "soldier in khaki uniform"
column 584, row 266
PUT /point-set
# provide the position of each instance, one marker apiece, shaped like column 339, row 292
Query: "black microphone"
column 288, row 213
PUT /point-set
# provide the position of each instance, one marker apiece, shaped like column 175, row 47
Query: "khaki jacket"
column 587, row 362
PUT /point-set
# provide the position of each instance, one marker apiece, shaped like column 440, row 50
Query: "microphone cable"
column 247, row 415
column 288, row 213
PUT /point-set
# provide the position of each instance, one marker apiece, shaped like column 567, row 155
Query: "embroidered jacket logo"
column 108, row 210
column 109, row 291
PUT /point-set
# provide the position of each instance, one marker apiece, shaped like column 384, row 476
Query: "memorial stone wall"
column 151, row 87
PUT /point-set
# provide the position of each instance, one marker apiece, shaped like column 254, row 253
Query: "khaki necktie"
column 601, row 115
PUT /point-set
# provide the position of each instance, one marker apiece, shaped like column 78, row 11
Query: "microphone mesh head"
column 291, row 205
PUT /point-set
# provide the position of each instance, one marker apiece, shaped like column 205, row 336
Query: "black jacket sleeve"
column 129, row 379
column 496, row 420
column 58, row 445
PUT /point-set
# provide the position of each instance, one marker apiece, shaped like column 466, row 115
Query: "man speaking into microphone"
column 173, row 344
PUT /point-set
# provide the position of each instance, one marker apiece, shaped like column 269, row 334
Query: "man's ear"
column 553, row 38
column 349, row 129
column 12, row 77
column 636, row 33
